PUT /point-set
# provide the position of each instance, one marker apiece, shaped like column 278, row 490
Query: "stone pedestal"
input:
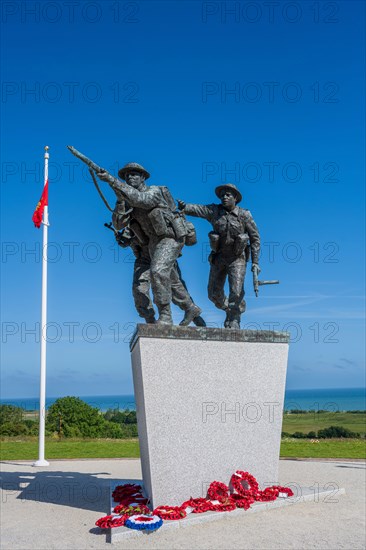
column 209, row 402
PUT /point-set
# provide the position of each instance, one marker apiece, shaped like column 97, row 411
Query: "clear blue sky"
column 151, row 83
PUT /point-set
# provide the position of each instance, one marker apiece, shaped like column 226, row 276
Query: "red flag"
column 38, row 213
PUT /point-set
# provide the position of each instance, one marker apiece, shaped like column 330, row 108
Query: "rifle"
column 111, row 180
column 257, row 283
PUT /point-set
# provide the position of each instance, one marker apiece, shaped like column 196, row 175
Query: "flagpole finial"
column 46, row 148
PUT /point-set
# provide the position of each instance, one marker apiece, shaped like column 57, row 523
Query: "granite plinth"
column 208, row 333
column 209, row 402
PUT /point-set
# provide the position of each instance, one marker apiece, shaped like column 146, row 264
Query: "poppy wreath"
column 131, row 510
column 202, row 505
column 268, row 494
column 224, row 505
column 129, row 494
column 198, row 505
column 137, row 500
column 247, row 487
column 108, row 522
column 123, row 492
column 170, row 512
column 244, row 484
column 242, row 502
column 218, row 491
column 144, row 522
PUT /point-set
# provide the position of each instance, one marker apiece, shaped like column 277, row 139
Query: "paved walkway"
column 56, row 507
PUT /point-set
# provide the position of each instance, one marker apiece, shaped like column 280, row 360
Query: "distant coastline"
column 349, row 399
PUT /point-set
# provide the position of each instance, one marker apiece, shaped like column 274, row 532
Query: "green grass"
column 26, row 448
column 308, row 422
column 326, row 448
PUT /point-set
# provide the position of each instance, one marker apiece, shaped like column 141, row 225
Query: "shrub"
column 129, row 430
column 10, row 413
column 13, row 428
column 121, row 417
column 112, row 430
column 299, row 435
column 337, row 431
column 12, row 422
column 32, row 426
column 125, row 423
column 72, row 417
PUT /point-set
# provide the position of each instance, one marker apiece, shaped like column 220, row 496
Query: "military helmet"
column 231, row 187
column 130, row 167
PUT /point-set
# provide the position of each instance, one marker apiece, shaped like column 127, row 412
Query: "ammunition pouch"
column 214, row 241
column 158, row 221
column 166, row 220
column 167, row 223
column 191, row 237
column 182, row 228
column 241, row 244
column 178, row 224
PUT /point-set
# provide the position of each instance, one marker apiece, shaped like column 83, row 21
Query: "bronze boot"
column 190, row 314
column 235, row 321
column 165, row 315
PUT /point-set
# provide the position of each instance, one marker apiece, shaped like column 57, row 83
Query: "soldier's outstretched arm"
column 197, row 210
column 147, row 200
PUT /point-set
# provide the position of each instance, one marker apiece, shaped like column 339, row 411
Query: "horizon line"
column 132, row 394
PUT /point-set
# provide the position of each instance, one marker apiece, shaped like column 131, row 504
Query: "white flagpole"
column 42, row 390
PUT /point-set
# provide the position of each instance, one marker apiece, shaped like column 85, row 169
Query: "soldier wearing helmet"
column 154, row 216
column 234, row 239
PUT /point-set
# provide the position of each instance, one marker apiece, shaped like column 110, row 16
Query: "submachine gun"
column 257, row 283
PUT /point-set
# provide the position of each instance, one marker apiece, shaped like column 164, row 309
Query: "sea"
column 332, row 400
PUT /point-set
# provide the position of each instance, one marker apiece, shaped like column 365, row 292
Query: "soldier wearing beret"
column 234, row 239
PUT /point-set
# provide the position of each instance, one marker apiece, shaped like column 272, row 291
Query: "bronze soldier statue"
column 154, row 214
column 234, row 238
column 157, row 233
column 141, row 282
